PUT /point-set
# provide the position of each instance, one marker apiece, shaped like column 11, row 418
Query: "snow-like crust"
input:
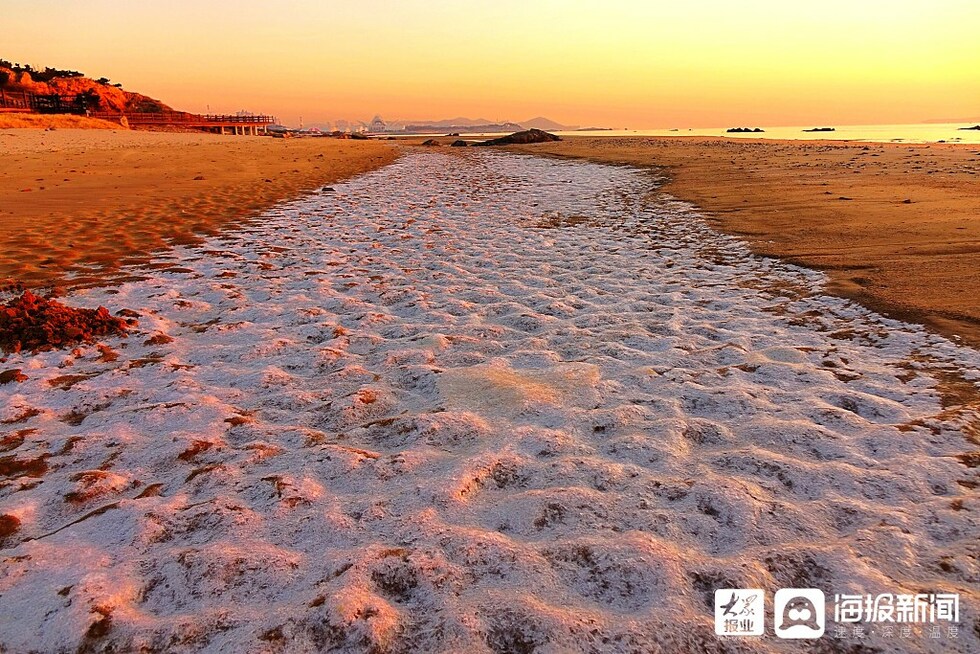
column 479, row 402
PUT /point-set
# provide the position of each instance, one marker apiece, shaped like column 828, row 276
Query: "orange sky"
column 619, row 63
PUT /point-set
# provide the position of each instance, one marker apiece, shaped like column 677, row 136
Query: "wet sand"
column 84, row 202
column 895, row 226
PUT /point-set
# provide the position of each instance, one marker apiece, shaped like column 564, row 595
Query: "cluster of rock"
column 34, row 323
column 517, row 138
column 742, row 130
column 522, row 138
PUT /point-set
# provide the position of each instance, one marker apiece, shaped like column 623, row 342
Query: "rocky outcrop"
column 522, row 138
column 743, row 130
column 100, row 95
column 459, row 143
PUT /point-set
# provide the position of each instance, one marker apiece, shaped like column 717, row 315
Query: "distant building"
column 378, row 125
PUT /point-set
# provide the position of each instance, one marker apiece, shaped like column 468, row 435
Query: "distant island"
column 820, row 129
column 742, row 130
column 975, row 127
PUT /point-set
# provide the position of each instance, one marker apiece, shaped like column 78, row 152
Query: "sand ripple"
column 479, row 402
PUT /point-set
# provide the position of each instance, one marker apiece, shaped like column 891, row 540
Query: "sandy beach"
column 83, row 202
column 895, row 226
column 480, row 402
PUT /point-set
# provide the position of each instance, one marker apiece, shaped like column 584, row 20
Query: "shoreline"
column 892, row 225
column 80, row 204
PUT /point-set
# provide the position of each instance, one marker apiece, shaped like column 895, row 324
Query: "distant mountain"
column 442, row 126
column 464, row 124
column 545, row 123
column 452, row 122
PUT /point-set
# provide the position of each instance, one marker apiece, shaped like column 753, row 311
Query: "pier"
column 216, row 123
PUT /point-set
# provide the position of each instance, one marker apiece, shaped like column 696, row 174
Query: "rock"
column 460, row 143
column 431, row 143
column 521, row 138
column 975, row 127
column 199, row 178
column 821, row 129
column 743, row 130
column 124, row 122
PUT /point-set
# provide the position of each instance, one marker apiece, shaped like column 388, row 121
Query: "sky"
column 611, row 63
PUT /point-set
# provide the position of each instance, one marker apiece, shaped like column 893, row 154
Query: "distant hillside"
column 451, row 122
column 102, row 94
column 424, row 128
column 545, row 123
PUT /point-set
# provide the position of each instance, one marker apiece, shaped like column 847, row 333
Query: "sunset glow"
column 613, row 63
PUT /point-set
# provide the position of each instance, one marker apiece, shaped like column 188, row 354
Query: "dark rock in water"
column 357, row 136
column 430, row 142
column 453, row 134
column 521, row 138
column 327, row 189
column 459, row 143
column 975, row 127
column 821, row 129
column 743, row 130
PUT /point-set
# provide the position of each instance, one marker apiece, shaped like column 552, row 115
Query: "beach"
column 77, row 204
column 483, row 402
column 894, row 225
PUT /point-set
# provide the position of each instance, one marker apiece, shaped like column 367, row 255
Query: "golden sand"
column 73, row 199
column 56, row 121
column 896, row 226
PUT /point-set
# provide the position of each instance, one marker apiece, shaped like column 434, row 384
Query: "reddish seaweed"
column 34, row 323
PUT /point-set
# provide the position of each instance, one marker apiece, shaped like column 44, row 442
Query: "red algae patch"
column 9, row 525
column 34, row 323
column 13, row 375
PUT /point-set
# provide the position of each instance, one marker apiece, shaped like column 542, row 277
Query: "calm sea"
column 921, row 133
